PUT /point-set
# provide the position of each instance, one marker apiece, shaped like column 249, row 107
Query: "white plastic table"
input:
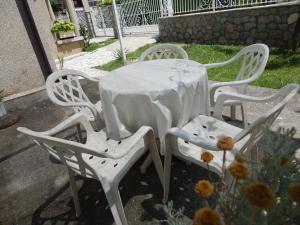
column 159, row 93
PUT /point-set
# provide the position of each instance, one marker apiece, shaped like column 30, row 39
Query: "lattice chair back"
column 70, row 153
column 164, row 51
column 257, row 128
column 64, row 88
column 254, row 59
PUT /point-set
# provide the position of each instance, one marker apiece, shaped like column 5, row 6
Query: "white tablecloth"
column 159, row 93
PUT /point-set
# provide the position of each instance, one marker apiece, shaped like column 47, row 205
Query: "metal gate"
column 140, row 16
column 136, row 17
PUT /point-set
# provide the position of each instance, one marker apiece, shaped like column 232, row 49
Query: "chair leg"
column 74, row 191
column 146, row 164
column 233, row 112
column 167, row 174
column 116, row 206
column 244, row 116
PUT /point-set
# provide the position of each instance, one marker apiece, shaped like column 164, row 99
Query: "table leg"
column 146, row 164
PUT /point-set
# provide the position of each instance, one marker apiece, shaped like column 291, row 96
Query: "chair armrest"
column 220, row 64
column 216, row 65
column 78, row 104
column 132, row 141
column 240, row 97
column 72, row 121
column 196, row 140
column 215, row 86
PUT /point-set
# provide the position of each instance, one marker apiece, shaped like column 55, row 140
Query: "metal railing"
column 191, row 6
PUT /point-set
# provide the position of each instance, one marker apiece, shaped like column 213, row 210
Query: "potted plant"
column 2, row 106
column 64, row 29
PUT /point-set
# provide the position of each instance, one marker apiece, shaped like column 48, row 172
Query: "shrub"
column 62, row 26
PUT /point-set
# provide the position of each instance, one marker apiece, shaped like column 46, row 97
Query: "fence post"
column 119, row 31
column 100, row 13
column 161, row 6
column 170, row 7
column 87, row 12
column 90, row 24
column 213, row 5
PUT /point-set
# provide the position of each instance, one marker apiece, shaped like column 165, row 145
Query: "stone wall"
column 275, row 25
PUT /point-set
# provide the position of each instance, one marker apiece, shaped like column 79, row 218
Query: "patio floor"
column 34, row 187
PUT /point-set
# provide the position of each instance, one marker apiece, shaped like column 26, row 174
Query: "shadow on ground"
column 34, row 190
column 141, row 195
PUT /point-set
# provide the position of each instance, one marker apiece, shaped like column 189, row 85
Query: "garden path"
column 86, row 61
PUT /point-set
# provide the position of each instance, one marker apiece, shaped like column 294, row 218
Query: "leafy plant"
column 174, row 217
column 62, row 26
column 104, row 3
column 269, row 196
column 1, row 96
column 86, row 34
column 96, row 45
column 118, row 53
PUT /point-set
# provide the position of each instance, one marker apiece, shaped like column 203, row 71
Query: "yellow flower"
column 284, row 160
column 207, row 157
column 206, row 216
column 239, row 170
column 264, row 160
column 225, row 143
column 259, row 195
column 239, row 158
column 294, row 192
column 204, row 188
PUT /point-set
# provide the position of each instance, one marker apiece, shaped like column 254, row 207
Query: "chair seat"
column 129, row 150
column 211, row 129
column 227, row 89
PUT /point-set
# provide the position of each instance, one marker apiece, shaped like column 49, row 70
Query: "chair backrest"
column 63, row 88
column 164, row 51
column 257, row 128
column 254, row 59
column 68, row 152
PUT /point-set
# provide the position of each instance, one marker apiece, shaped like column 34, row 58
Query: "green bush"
column 107, row 2
column 62, row 26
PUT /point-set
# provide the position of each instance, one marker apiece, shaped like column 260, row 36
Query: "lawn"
column 96, row 45
column 283, row 66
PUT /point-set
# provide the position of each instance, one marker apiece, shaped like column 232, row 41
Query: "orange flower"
column 204, row 188
column 225, row 143
column 294, row 192
column 239, row 170
column 239, row 158
column 284, row 160
column 206, row 216
column 259, row 195
column 207, row 157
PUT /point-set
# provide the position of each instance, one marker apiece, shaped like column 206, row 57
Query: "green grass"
column 283, row 66
column 94, row 46
column 115, row 64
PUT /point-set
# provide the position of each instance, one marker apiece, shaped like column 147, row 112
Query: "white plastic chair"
column 203, row 132
column 164, row 51
column 254, row 59
column 99, row 157
column 63, row 88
